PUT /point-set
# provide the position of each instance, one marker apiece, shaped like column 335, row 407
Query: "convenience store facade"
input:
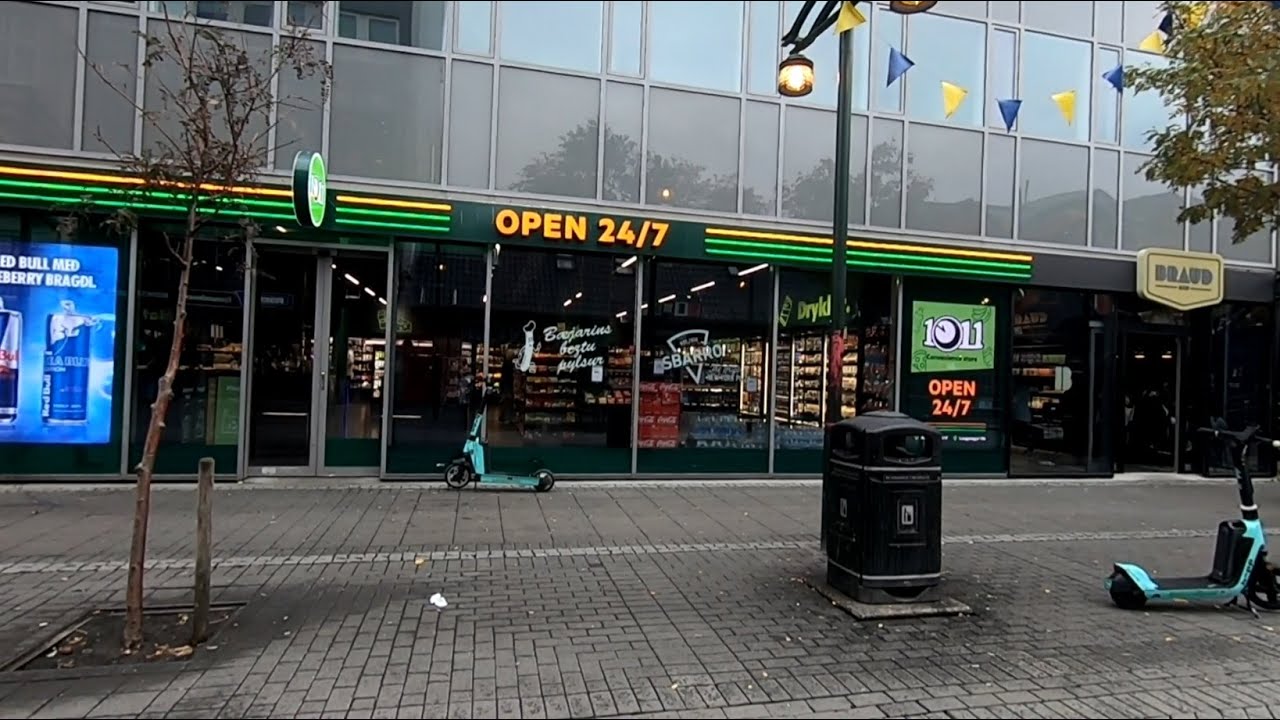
column 621, row 344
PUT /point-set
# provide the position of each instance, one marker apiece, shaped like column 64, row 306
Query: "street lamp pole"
column 795, row 79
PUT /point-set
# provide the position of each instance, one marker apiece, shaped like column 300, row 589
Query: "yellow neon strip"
column 125, row 180
column 386, row 202
column 863, row 244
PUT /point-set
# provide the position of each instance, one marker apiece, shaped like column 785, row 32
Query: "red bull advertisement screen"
column 57, row 342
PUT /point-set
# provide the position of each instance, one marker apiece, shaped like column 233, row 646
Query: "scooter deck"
column 1189, row 583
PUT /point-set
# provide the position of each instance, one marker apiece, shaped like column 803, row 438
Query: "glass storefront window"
column 703, row 371
column 1059, row 407
column 802, row 371
column 204, row 415
column 562, row 350
column 1237, row 385
column 439, row 338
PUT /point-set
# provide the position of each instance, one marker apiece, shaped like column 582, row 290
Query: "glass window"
column 955, row 48
column 111, row 46
column 1058, row 360
column 562, row 337
column 944, row 180
column 1141, row 18
column 803, row 359
column 999, row 194
column 165, row 83
column 1236, row 383
column 623, row 120
column 764, row 36
column 702, row 370
column 1145, row 111
column 204, row 416
column 1150, row 217
column 565, row 34
column 305, row 14
column 1106, row 121
column 696, row 44
column 1002, row 66
column 1052, row 65
column 888, row 30
column 1067, row 18
column 475, row 27
column 760, row 162
column 1052, row 193
column 886, row 173
column 300, row 111
column 245, row 12
column 961, row 392
column 37, row 98
column 470, row 114
column 693, row 151
column 367, row 140
column 1200, row 236
column 439, row 353
column 1256, row 247
column 1107, row 20
column 808, row 166
column 825, row 54
column 967, row 8
column 1005, row 10
column 625, row 37
column 1106, row 198
column 552, row 151
column 396, row 22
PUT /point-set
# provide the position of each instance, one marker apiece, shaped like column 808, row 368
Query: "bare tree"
column 210, row 109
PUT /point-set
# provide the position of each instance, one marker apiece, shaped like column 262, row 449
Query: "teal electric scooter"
column 470, row 466
column 1240, row 564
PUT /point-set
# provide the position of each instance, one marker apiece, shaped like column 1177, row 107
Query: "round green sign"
column 310, row 189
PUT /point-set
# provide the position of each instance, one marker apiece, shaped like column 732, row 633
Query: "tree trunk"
column 151, row 445
column 204, row 552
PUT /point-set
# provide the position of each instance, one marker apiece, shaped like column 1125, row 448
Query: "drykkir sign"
column 1179, row 279
column 57, row 342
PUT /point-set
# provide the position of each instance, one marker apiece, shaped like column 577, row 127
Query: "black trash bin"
column 882, row 508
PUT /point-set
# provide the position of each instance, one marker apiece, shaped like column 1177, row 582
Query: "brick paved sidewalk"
column 633, row 602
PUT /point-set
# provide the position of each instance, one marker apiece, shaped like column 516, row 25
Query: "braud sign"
column 1180, row 280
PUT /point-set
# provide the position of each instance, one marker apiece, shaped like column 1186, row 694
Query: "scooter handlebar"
column 1243, row 436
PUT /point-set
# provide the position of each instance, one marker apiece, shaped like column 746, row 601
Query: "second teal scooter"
column 1241, row 568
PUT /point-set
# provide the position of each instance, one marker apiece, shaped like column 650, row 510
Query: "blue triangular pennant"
column 1009, row 111
column 1166, row 24
column 899, row 64
column 1115, row 76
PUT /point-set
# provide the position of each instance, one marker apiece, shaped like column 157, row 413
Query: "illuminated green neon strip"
column 139, row 205
column 395, row 225
column 872, row 254
column 343, row 209
column 137, row 192
column 870, row 264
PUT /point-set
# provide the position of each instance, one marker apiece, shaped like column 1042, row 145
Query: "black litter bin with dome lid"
column 882, row 508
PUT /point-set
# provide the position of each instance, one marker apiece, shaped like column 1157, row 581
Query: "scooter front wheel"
column 546, row 480
column 1264, row 587
column 457, row 474
column 1124, row 593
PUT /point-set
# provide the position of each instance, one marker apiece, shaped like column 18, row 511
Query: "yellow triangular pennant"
column 952, row 96
column 849, row 19
column 1066, row 101
column 1153, row 43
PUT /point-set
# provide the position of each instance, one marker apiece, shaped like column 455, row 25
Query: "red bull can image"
column 10, row 347
column 64, row 394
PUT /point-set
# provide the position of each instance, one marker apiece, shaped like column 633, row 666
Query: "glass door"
column 283, row 384
column 355, row 363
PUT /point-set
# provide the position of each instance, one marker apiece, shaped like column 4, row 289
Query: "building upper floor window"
column 412, row 24
column 557, row 34
column 245, row 12
column 696, row 44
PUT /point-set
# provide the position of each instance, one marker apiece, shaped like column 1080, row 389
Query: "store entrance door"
column 1151, row 371
column 318, row 345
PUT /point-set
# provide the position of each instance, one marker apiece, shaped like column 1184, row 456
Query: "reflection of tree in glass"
column 810, row 195
column 570, row 170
